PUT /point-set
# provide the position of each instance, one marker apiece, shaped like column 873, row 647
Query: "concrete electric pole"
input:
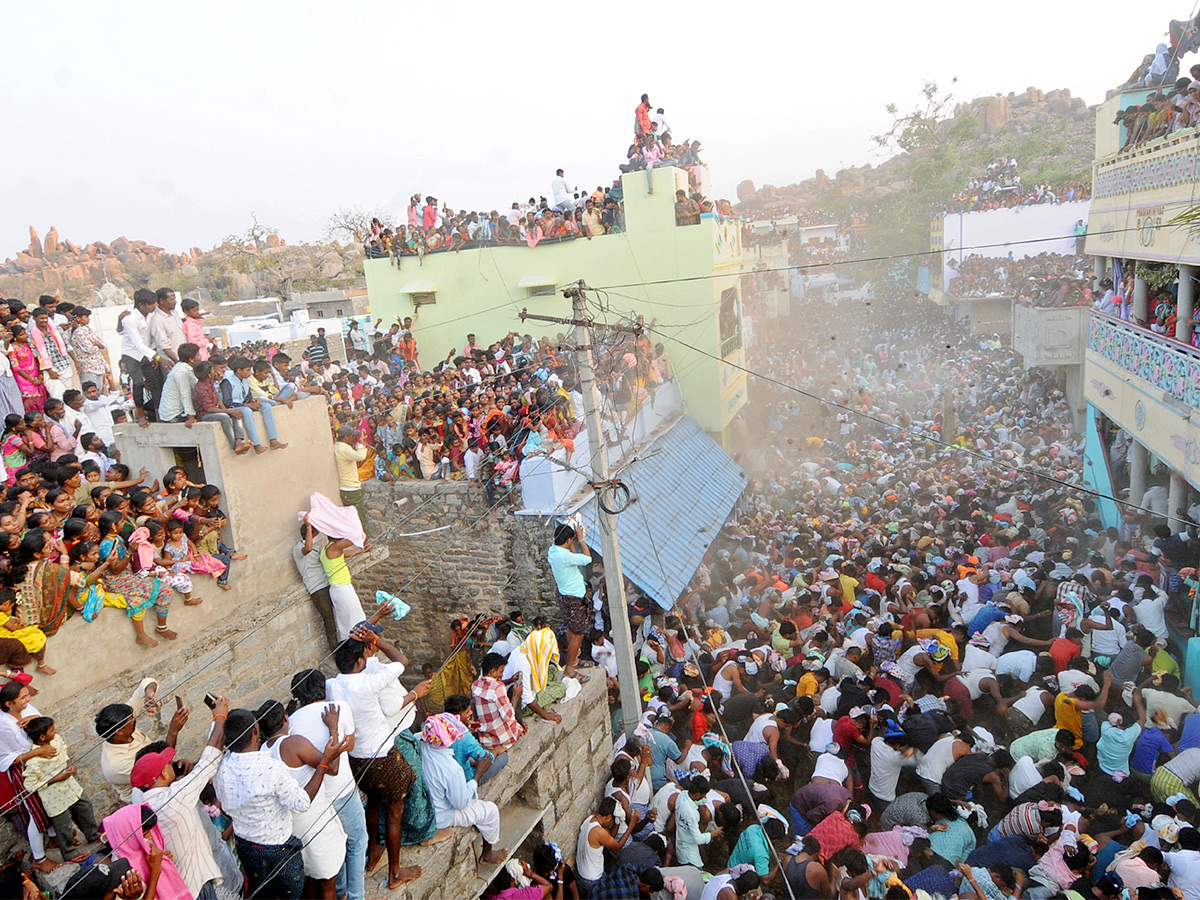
column 614, row 579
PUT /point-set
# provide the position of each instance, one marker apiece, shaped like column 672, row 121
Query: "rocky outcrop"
column 996, row 114
column 241, row 271
column 999, row 119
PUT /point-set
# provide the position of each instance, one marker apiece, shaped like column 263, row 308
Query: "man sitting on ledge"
column 456, row 801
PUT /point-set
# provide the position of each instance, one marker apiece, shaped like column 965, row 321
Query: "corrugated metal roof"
column 685, row 484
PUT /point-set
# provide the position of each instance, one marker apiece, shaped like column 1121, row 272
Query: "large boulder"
column 50, row 244
column 121, row 245
column 331, row 265
column 997, row 113
column 35, row 243
column 239, row 286
column 745, row 191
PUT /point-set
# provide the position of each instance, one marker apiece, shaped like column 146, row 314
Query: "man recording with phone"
column 567, row 558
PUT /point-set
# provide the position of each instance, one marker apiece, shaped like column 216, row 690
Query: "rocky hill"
column 260, row 264
column 1051, row 133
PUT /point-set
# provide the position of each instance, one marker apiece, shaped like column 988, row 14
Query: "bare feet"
column 494, row 857
column 224, row 587
column 241, row 447
column 46, row 670
column 166, row 633
column 403, row 876
column 238, row 556
column 374, row 858
column 259, row 448
column 146, row 641
column 46, row 865
column 192, row 601
column 443, row 834
column 278, row 445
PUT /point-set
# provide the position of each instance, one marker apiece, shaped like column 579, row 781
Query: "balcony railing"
column 731, row 344
column 1167, row 364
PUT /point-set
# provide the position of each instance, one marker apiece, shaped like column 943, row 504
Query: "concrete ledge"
column 554, row 777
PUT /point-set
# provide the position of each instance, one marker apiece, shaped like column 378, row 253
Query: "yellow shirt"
column 60, row 796
column 347, row 459
column 808, row 685
column 1068, row 716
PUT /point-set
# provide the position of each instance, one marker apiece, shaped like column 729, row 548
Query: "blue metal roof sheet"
column 684, row 485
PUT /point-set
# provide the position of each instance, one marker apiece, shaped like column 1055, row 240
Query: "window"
column 189, row 458
column 338, row 312
column 423, row 298
column 730, row 321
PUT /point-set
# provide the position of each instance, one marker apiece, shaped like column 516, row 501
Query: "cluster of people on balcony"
column 1174, row 106
column 999, row 187
column 1044, row 280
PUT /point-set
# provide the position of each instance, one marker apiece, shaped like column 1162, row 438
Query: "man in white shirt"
column 308, row 687
column 560, row 191
column 139, row 359
column 166, row 328
column 176, row 800
column 1184, row 864
column 259, row 795
column 381, row 772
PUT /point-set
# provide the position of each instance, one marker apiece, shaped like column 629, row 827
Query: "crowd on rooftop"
column 999, row 187
column 1044, row 280
column 568, row 213
column 1173, row 107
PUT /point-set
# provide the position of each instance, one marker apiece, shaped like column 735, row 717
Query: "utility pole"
column 614, row 579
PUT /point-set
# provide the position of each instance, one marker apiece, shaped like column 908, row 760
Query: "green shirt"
column 1037, row 744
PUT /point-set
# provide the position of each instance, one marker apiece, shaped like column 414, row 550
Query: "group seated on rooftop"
column 1000, row 187
column 1044, row 280
column 1173, row 108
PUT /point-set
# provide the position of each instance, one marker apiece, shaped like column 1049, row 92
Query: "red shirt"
column 1062, row 651
column 846, row 733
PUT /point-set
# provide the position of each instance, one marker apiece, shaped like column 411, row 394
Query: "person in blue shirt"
column 1150, row 743
column 477, row 763
column 662, row 749
column 567, row 558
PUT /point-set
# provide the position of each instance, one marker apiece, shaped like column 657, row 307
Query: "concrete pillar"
column 1176, row 501
column 1187, row 304
column 1141, row 301
column 1139, row 469
column 1073, row 388
column 1099, row 269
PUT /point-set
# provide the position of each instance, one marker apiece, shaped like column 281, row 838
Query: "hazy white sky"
column 172, row 122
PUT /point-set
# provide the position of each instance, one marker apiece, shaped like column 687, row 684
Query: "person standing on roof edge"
column 567, row 558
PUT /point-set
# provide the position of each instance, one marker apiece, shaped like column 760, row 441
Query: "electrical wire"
column 864, row 259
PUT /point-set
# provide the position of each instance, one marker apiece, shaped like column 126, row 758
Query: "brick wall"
column 487, row 561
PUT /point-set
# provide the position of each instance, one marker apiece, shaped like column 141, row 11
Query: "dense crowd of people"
column 909, row 668
column 1173, row 107
column 999, row 187
column 1044, row 280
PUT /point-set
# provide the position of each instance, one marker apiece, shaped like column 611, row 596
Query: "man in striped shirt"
column 176, row 801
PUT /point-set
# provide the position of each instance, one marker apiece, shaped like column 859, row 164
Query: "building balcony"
column 1138, row 193
column 1150, row 386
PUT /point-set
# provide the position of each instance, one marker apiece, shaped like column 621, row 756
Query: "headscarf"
column 443, row 729
column 123, row 829
column 541, row 649
column 139, row 542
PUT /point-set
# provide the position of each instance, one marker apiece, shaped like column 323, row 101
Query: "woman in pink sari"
column 133, row 833
column 26, row 370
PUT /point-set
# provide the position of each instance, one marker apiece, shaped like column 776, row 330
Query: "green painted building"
column 683, row 279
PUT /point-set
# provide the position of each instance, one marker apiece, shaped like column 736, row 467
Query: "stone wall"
column 554, row 778
column 249, row 657
column 486, row 561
